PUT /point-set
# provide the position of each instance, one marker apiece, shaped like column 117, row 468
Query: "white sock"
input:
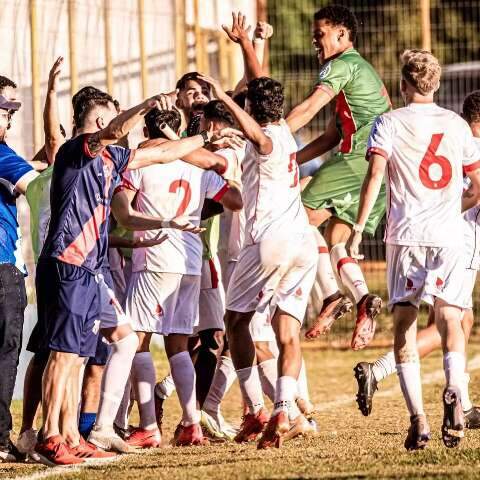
column 411, row 385
column 143, row 380
column 121, row 419
column 384, row 366
column 115, row 376
column 285, row 394
column 223, row 379
column 466, row 402
column 251, row 388
column 349, row 271
column 454, row 366
column 268, row 377
column 166, row 387
column 183, row 374
column 302, row 383
column 325, row 275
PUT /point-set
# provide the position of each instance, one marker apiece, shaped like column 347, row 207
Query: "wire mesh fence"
column 386, row 28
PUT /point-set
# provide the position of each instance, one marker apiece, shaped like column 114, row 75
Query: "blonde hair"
column 421, row 69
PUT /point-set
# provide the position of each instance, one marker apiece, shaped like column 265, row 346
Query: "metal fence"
column 386, row 28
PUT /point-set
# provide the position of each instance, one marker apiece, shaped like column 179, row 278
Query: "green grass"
column 348, row 445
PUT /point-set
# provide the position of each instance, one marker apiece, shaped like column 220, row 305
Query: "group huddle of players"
column 225, row 250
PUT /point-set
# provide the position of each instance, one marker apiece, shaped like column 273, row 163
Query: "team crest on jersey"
column 410, row 285
column 159, row 310
column 299, row 292
column 325, row 71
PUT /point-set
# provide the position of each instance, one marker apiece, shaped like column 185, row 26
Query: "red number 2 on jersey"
column 293, row 167
column 430, row 158
column 187, row 194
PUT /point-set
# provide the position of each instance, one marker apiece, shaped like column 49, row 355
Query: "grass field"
column 348, row 445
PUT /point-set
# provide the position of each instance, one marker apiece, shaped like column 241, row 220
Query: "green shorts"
column 336, row 186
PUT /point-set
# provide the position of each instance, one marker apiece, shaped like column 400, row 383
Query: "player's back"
column 427, row 148
column 167, row 191
column 271, row 188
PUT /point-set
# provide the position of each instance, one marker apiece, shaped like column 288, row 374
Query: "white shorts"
column 469, row 278
column 212, row 298
column 277, row 272
column 164, row 303
column 111, row 312
column 261, row 328
column 416, row 274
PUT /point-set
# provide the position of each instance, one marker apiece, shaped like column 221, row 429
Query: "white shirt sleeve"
column 215, row 185
column 471, row 152
column 380, row 141
column 132, row 179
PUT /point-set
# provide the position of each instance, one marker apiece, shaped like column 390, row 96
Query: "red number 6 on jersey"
column 431, row 158
column 187, row 195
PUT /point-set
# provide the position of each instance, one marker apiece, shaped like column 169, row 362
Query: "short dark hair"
column 471, row 107
column 266, row 99
column 155, row 118
column 339, row 15
column 6, row 82
column 240, row 98
column 85, row 100
column 184, row 79
column 216, row 110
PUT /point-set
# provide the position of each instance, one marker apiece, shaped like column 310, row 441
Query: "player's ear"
column 100, row 123
column 145, row 132
column 341, row 33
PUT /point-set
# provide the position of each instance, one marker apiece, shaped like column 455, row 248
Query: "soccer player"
column 15, row 176
column 333, row 193
column 84, row 175
column 369, row 375
column 165, row 285
column 425, row 148
column 276, row 266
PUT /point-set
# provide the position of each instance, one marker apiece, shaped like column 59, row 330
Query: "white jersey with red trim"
column 472, row 230
column 167, row 191
column 426, row 148
column 271, row 188
column 232, row 224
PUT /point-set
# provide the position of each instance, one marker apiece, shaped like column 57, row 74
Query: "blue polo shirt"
column 12, row 169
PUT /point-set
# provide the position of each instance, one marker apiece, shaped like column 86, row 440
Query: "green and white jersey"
column 38, row 198
column 361, row 98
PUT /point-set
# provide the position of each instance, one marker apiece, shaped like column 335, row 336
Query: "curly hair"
column 155, row 117
column 6, row 82
column 339, row 15
column 266, row 99
column 421, row 69
column 85, row 100
column 216, row 110
column 471, row 107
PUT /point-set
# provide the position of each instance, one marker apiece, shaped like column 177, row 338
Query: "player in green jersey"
column 333, row 193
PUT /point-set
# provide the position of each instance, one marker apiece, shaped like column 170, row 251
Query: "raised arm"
column 368, row 196
column 250, row 128
column 323, row 144
column 305, row 111
column 238, row 33
column 51, row 120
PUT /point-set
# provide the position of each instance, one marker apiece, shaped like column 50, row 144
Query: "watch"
column 206, row 139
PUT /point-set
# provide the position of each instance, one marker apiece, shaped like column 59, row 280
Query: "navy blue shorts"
column 68, row 300
column 101, row 354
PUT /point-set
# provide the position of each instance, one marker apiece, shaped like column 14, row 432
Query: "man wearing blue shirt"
column 15, row 175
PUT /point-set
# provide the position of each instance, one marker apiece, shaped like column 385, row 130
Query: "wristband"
column 357, row 228
column 206, row 139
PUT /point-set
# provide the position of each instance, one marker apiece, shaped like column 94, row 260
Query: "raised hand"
column 215, row 84
column 263, row 31
column 239, row 31
column 53, row 76
column 228, row 134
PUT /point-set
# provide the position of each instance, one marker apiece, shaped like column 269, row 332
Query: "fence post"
column 143, row 56
column 72, row 44
column 108, row 46
column 426, row 27
column 34, row 58
column 180, row 39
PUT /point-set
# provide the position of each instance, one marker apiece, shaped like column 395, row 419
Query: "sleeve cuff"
column 376, row 151
column 219, row 195
column 471, row 167
column 328, row 90
column 28, row 177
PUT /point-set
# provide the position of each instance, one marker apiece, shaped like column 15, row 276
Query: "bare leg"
column 69, row 410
